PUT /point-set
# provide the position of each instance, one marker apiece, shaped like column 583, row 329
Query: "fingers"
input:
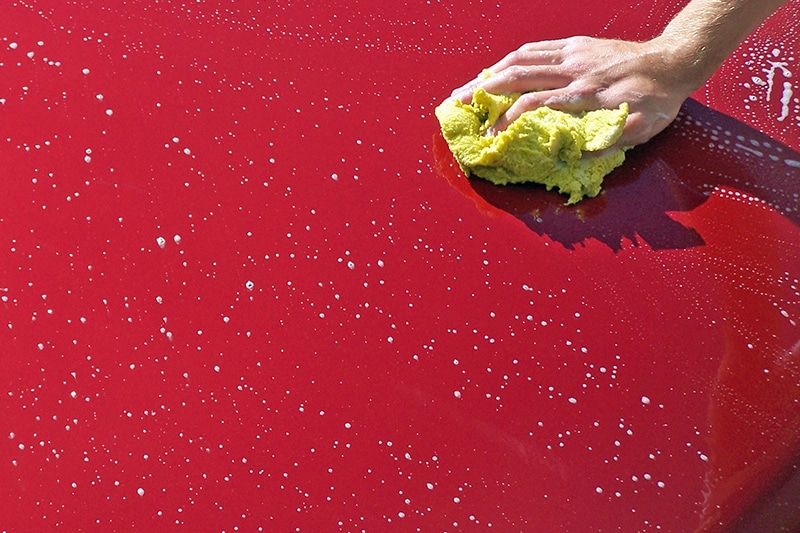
column 464, row 93
column 538, row 53
column 517, row 79
column 524, row 79
column 639, row 128
column 568, row 99
column 526, row 102
column 514, row 73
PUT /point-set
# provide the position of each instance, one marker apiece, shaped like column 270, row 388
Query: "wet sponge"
column 546, row 146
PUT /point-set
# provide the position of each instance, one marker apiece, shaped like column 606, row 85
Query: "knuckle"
column 518, row 56
column 587, row 88
column 576, row 41
column 527, row 101
column 573, row 68
column 516, row 73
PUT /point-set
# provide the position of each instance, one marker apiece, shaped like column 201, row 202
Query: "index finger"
column 535, row 53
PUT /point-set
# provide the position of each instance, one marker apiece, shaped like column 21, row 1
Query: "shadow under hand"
column 702, row 150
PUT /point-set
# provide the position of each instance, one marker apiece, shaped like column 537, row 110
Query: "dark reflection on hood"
column 676, row 171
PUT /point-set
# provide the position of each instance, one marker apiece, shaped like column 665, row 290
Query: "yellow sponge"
column 547, row 146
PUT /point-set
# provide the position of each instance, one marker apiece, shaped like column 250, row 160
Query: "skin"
column 655, row 77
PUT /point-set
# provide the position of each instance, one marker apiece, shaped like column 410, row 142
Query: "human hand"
column 584, row 73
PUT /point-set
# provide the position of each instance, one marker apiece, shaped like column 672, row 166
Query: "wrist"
column 698, row 40
column 677, row 66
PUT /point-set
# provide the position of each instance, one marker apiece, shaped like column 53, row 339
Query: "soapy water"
column 756, row 84
column 240, row 289
column 765, row 85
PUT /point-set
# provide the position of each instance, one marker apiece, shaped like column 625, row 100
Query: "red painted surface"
column 245, row 288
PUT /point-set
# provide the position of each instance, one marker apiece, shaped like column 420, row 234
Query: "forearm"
column 705, row 32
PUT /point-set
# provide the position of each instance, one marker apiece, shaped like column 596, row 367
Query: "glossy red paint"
column 244, row 286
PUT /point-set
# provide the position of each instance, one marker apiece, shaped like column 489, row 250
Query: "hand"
column 583, row 74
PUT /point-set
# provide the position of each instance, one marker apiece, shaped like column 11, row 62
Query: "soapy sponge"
column 546, row 146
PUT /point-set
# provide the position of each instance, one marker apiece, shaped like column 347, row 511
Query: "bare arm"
column 654, row 77
column 705, row 32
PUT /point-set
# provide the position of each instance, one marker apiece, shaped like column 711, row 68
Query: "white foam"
column 786, row 98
